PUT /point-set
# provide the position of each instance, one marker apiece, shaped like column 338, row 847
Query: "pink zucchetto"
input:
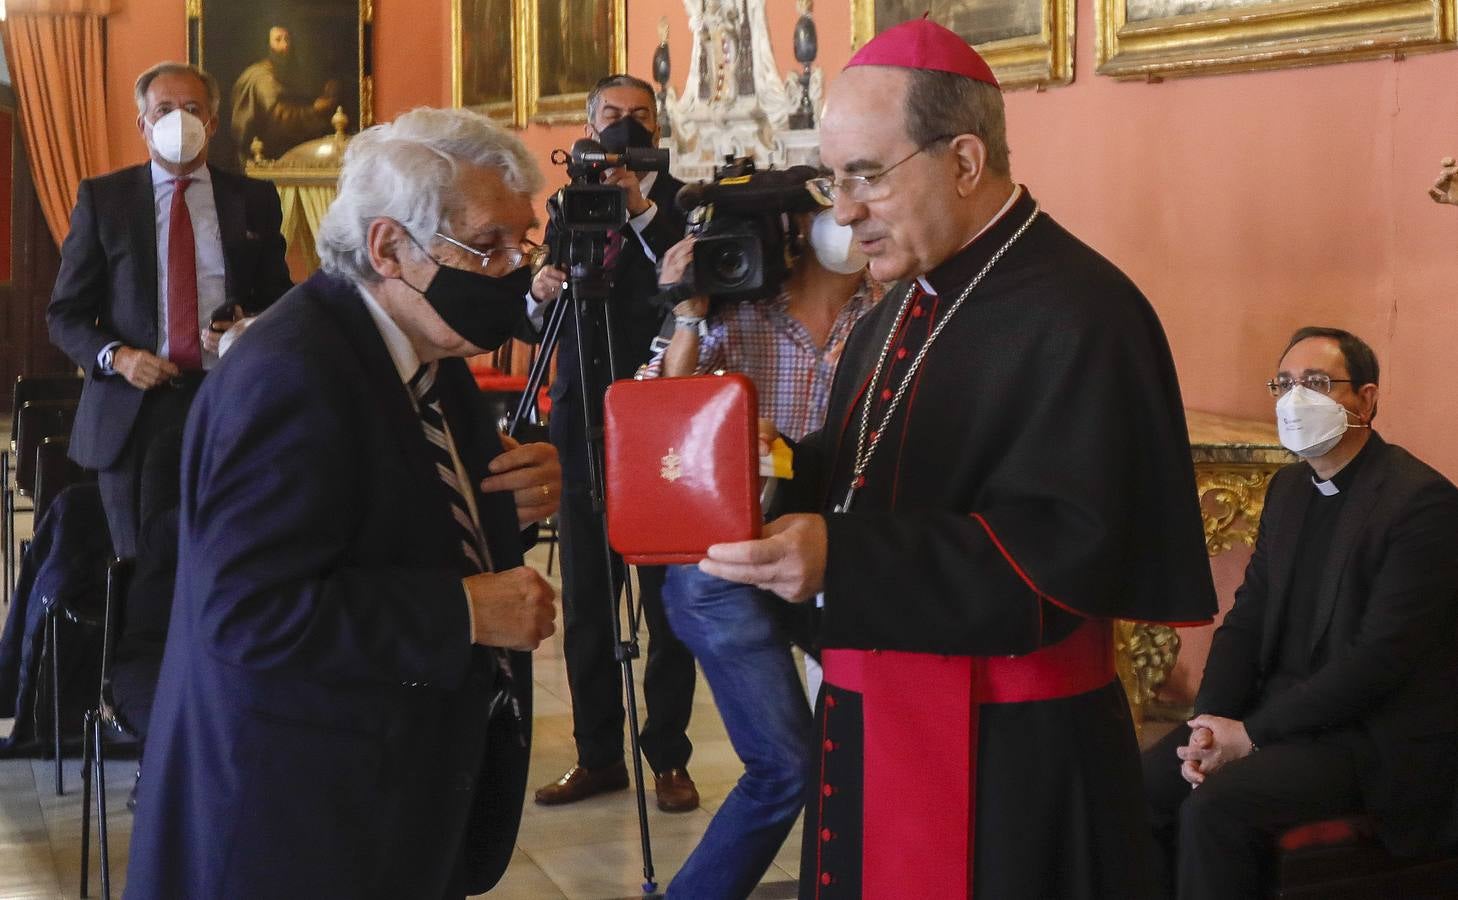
column 923, row 44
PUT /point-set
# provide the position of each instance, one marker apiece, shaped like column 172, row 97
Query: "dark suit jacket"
column 320, row 726
column 106, row 289
column 636, row 322
column 1387, row 622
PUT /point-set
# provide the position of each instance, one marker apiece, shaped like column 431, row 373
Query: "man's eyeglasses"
column 1280, row 387
column 866, row 188
column 499, row 260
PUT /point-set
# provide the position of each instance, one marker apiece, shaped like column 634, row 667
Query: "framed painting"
column 284, row 67
column 1028, row 43
column 486, row 58
column 1157, row 38
column 569, row 45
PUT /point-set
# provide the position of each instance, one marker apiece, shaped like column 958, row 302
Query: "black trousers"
column 593, row 674
column 1216, row 841
column 121, row 485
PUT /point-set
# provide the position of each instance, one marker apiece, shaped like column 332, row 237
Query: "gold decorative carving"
column 1031, row 60
column 1234, row 461
column 1144, row 656
column 1231, row 501
column 1159, row 38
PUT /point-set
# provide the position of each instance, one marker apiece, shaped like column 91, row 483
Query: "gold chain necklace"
column 864, row 451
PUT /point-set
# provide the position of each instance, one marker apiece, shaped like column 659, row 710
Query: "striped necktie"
column 476, row 555
column 432, row 420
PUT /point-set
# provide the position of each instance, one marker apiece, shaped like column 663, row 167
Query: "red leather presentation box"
column 682, row 466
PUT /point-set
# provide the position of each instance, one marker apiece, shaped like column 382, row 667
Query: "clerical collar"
column 959, row 268
column 1342, row 481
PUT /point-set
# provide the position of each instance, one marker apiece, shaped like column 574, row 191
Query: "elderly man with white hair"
column 345, row 698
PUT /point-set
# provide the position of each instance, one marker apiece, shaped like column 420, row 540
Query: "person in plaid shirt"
column 789, row 346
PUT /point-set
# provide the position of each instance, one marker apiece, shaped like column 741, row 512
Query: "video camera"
column 743, row 227
column 588, row 205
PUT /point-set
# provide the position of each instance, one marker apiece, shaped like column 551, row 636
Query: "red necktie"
column 184, row 342
column 614, row 248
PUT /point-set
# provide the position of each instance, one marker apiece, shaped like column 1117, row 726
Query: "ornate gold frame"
column 1036, row 61
column 1266, row 36
column 556, row 109
column 195, row 39
column 507, row 112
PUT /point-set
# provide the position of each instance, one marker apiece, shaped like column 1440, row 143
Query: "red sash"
column 920, row 715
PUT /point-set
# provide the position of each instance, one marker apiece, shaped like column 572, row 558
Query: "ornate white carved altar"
column 735, row 102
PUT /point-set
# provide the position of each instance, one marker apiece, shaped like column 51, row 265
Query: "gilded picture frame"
column 567, row 46
column 1164, row 38
column 487, row 61
column 1028, row 43
column 282, row 89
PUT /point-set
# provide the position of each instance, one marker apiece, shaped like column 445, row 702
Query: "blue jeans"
column 731, row 629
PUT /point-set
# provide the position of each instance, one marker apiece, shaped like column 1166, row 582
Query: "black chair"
column 35, row 421
column 54, row 472
column 27, row 388
column 97, row 723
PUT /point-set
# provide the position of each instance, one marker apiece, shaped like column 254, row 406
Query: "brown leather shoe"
column 676, row 791
column 580, row 783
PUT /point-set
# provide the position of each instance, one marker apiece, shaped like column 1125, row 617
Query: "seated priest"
column 1332, row 685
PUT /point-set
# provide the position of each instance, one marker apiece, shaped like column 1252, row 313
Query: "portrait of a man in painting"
column 487, row 68
column 284, row 68
column 978, row 21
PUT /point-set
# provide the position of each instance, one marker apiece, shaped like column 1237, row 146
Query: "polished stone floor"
column 581, row 851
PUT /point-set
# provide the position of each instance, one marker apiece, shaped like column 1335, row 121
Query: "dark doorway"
column 28, row 262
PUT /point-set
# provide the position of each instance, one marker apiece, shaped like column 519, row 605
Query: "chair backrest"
column 54, row 471
column 118, row 581
column 38, row 420
column 41, row 387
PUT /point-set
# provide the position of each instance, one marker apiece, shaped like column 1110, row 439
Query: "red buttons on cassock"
column 826, row 834
column 828, row 790
column 901, row 354
column 829, row 746
column 916, row 312
column 826, row 879
column 887, row 394
column 829, row 700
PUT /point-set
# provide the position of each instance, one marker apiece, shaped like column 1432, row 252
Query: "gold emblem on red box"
column 672, row 466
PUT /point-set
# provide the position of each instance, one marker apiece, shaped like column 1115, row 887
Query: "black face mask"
column 624, row 133
column 483, row 309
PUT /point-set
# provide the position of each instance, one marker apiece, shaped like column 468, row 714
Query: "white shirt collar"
column 1327, row 488
column 200, row 175
column 1017, row 192
column 402, row 352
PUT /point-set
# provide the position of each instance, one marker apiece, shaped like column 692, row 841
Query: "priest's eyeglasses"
column 866, row 188
column 1279, row 387
column 497, row 260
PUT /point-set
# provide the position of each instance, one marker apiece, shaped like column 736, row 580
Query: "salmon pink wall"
column 1243, row 205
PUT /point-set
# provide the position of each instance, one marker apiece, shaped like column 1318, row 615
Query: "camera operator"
column 621, row 113
column 789, row 345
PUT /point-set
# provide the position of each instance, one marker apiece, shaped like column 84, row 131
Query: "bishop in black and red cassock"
column 1030, row 482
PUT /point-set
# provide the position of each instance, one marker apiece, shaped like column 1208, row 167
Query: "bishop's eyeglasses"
column 1280, row 387
column 866, row 188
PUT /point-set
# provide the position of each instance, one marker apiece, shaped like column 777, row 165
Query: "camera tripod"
column 585, row 297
